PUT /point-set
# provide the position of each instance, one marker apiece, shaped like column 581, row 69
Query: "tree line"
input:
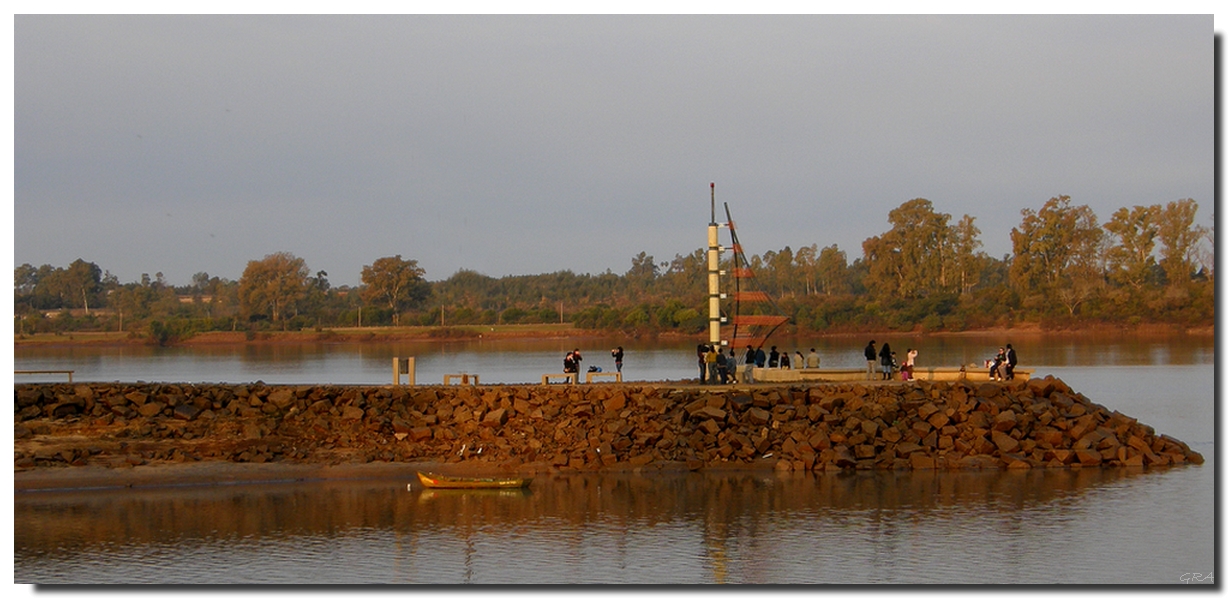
column 1147, row 264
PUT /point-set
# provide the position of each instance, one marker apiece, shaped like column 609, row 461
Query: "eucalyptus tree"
column 1180, row 239
column 964, row 245
column 913, row 259
column 1130, row 258
column 833, row 271
column 806, row 266
column 1055, row 254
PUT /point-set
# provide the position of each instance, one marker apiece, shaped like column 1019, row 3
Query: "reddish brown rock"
column 151, row 409
column 495, row 418
column 710, row 412
column 1004, row 442
column 892, row 434
column 282, row 399
column 1088, row 456
column 1005, row 421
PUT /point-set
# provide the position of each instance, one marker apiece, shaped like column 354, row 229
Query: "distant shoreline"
column 536, row 331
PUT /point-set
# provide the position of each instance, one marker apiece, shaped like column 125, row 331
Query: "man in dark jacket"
column 871, row 360
column 1011, row 360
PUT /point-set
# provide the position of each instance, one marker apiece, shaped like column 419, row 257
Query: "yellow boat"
column 432, row 480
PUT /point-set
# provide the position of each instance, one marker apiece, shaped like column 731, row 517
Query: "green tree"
column 273, row 285
column 395, row 283
column 25, row 280
column 806, row 267
column 833, row 270
column 964, row 243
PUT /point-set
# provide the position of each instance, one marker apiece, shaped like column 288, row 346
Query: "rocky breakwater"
column 820, row 427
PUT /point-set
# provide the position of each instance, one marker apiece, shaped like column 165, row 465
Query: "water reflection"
column 676, row 528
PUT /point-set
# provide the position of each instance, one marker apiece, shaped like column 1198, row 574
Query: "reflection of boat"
column 429, row 495
column 440, row 481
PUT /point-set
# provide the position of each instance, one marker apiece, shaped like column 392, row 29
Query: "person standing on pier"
column 886, row 360
column 701, row 352
column 871, row 360
column 1011, row 360
column 710, row 359
column 618, row 358
column 722, row 366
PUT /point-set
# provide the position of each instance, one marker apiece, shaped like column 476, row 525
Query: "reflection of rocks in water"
column 715, row 501
column 824, row 427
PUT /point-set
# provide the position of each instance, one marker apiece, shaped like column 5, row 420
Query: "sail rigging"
column 755, row 314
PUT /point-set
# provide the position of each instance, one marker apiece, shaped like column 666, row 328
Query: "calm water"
column 512, row 362
column 1085, row 526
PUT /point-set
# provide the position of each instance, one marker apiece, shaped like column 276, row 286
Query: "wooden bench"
column 69, row 372
column 617, row 376
column 463, row 378
column 569, row 377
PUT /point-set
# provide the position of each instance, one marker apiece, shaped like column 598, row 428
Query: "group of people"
column 571, row 362
column 883, row 364
column 715, row 367
column 1002, row 366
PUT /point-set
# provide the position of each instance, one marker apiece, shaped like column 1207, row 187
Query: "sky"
column 524, row 144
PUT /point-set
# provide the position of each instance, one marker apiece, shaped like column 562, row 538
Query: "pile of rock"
column 821, row 427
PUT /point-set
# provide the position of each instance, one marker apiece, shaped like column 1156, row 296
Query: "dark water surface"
column 999, row 527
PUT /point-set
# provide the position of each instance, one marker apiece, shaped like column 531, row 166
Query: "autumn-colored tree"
column 914, row 257
column 394, row 282
column 1179, row 236
column 273, row 285
column 1056, row 253
column 1129, row 259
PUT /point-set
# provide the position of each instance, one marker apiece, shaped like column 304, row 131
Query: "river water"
column 1088, row 526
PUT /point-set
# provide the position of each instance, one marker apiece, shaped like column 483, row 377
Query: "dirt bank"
column 134, row 429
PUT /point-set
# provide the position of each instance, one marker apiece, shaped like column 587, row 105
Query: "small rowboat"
column 439, row 481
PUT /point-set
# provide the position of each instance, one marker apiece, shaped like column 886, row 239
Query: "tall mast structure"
column 714, row 276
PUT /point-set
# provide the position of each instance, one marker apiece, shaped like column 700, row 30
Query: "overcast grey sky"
column 527, row 144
